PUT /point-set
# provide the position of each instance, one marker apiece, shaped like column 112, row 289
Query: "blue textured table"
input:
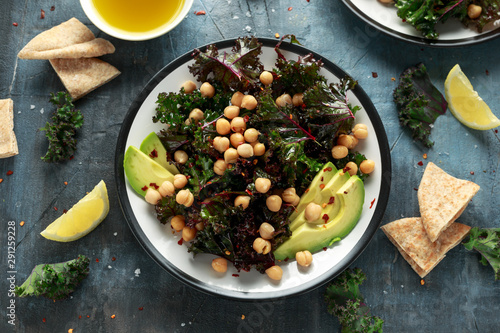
column 460, row 295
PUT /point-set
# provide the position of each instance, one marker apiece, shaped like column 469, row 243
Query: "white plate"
column 385, row 18
column 162, row 245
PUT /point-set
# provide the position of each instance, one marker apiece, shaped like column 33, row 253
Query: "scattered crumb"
column 424, row 156
column 1, row 180
column 422, row 282
column 65, row 183
column 21, row 223
column 290, row 9
column 242, row 317
column 137, row 272
column 277, row 35
column 113, row 316
column 393, row 79
column 70, row 330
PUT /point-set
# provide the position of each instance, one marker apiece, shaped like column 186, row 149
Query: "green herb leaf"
column 487, row 243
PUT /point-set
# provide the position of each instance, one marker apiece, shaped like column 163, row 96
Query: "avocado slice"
column 141, row 170
column 313, row 192
column 314, row 237
column 152, row 142
column 329, row 191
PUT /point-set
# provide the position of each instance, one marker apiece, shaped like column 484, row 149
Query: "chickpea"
column 474, row 11
column 237, row 98
column 304, row 258
column 196, row 114
column 188, row 234
column 242, row 200
column 167, row 189
column 312, row 212
column 284, row 100
column 199, row 226
column 274, row 273
column 189, row 86
column 359, row 126
column 367, row 166
column 231, row 111
column 289, row 195
column 220, row 167
column 339, row 152
column 259, row 149
column 251, row 135
column 262, row 185
column 266, row 231
column 221, row 143
column 231, row 155
column 347, row 140
column 245, row 150
column 180, row 181
column 360, row 134
column 238, row 125
column 266, row 78
column 352, row 168
column 180, row 156
column 261, row 245
column 178, row 223
column 386, row 1
column 184, row 197
column 296, row 200
column 273, row 203
column 152, row 196
column 297, row 99
column 237, row 139
column 222, row 126
column 219, row 265
column 248, row 102
column 207, row 90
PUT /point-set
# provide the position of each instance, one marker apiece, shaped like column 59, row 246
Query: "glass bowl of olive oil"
column 136, row 20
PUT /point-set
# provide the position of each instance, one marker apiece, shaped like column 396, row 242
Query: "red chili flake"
column 145, row 188
column 21, row 223
column 321, row 178
column 52, row 8
column 65, row 183
column 1, row 180
column 422, row 282
column 246, row 118
column 306, row 191
column 325, row 248
column 153, row 154
column 42, row 14
column 15, row 24
column 72, row 157
column 10, row 172
column 44, row 320
column 96, row 259
column 65, row 211
column 420, row 163
column 200, row 12
column 88, row 316
column 236, row 275
column 55, row 208
column 472, row 173
column 180, row 241
column 487, row 72
column 290, row 9
column 345, row 192
column 375, row 75
column 113, row 316
column 322, row 186
column 305, row 170
column 80, row 317
column 141, row 308
column 154, row 185
column 371, row 204
column 496, row 131
column 416, row 189
column 286, row 259
column 113, row 259
column 325, row 217
column 331, row 201
column 249, row 192
column 327, row 169
column 344, row 170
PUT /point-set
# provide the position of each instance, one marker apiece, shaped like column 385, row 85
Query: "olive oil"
column 138, row 16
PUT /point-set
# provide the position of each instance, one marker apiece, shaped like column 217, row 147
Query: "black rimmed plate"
column 163, row 246
column 384, row 18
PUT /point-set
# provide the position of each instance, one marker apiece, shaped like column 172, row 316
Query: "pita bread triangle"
column 8, row 141
column 94, row 48
column 442, row 199
column 410, row 238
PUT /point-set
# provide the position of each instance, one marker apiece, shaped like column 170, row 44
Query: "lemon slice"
column 82, row 218
column 465, row 103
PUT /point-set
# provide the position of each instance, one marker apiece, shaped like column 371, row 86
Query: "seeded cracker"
column 81, row 76
column 410, row 238
column 442, row 199
column 8, row 142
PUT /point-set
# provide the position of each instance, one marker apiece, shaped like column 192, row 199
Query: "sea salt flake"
column 247, row 14
column 248, row 28
column 32, row 107
column 183, row 324
column 385, row 292
column 272, row 9
column 42, row 111
column 114, row 234
column 235, row 17
column 475, row 146
column 18, row 112
column 137, row 272
column 109, row 267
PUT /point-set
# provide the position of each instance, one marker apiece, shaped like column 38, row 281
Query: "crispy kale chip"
column 55, row 281
column 425, row 14
column 61, row 133
column 346, row 303
column 487, row 243
column 489, row 14
column 419, row 102
column 239, row 69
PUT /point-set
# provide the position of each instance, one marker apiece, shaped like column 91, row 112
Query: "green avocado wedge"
column 313, row 191
column 152, row 143
column 314, row 237
column 141, row 171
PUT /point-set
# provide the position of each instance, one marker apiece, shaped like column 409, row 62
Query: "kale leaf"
column 487, row 243
column 55, row 281
column 346, row 302
column 61, row 133
column 419, row 102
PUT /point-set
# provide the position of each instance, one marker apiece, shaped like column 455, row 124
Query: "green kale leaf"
column 487, row 243
column 55, row 281
column 419, row 102
column 61, row 133
column 346, row 302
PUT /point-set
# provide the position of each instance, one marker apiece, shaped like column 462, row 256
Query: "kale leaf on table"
column 419, row 102
column 55, row 281
column 346, row 302
column 61, row 132
column 487, row 243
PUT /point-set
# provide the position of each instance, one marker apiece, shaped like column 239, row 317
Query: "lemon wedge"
column 465, row 103
column 82, row 218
